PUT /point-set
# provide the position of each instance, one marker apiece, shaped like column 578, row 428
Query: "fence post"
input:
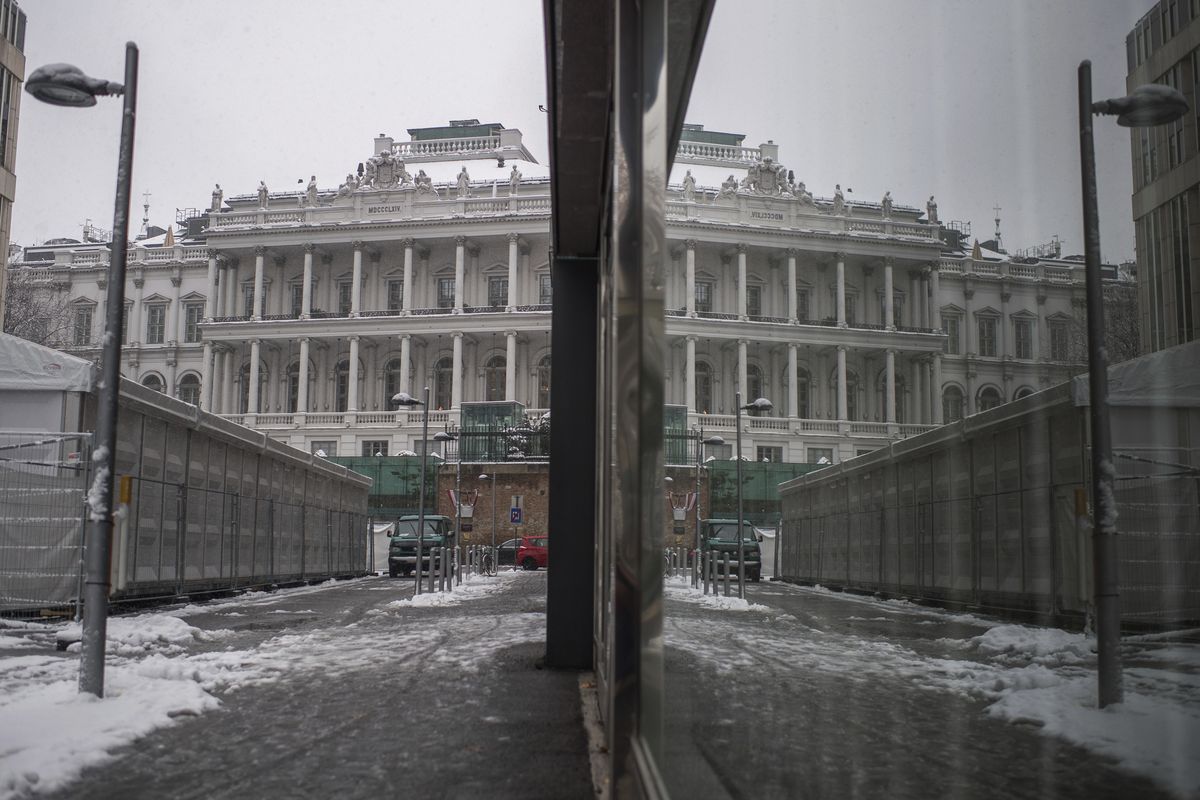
column 1083, row 549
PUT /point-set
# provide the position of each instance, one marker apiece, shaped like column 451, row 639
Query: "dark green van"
column 721, row 535
column 402, row 549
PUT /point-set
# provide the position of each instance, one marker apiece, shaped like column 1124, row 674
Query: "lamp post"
column 405, row 399
column 65, row 85
column 700, row 442
column 760, row 404
column 1149, row 105
column 446, row 437
column 484, row 477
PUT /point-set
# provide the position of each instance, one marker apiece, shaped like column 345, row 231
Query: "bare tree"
column 1122, row 338
column 36, row 310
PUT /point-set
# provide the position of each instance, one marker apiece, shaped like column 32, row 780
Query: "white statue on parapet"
column 839, row 199
column 514, row 181
column 885, row 205
column 729, row 189
column 424, row 184
column 310, row 194
column 931, row 211
column 689, row 187
column 264, row 196
column 347, row 188
column 464, row 184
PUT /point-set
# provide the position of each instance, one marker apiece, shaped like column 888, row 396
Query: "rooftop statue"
column 767, row 177
column 689, row 187
column 514, row 181
column 886, row 205
column 931, row 211
column 347, row 188
column 839, row 199
column 803, row 195
column 310, row 195
column 424, row 184
column 729, row 188
column 464, row 183
column 263, row 194
column 217, row 197
column 384, row 171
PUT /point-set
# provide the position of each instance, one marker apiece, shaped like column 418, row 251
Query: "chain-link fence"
column 43, row 482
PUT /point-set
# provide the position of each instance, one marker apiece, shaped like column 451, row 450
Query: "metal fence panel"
column 43, row 480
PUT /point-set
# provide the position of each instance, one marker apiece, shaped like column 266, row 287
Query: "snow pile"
column 472, row 588
column 1020, row 643
column 681, row 589
column 137, row 635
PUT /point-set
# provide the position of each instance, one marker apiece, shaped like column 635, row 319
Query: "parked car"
column 402, row 550
column 534, row 552
column 721, row 535
column 508, row 552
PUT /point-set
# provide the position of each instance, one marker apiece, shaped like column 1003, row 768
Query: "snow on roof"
column 26, row 365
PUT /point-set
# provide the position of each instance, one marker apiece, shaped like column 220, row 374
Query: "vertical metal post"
column 699, row 466
column 1104, row 507
column 725, row 568
column 98, row 547
column 421, row 494
column 738, row 460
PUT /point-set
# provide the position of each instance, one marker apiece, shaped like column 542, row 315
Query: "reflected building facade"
column 300, row 314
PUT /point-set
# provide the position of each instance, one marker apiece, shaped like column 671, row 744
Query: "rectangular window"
column 950, row 326
column 704, row 296
column 1023, row 338
column 296, row 290
column 987, row 336
column 81, row 335
column 324, row 448
column 6, row 99
column 802, row 304
column 820, row 455
column 395, row 295
column 344, row 293
column 771, row 454
column 192, row 314
column 851, row 309
column 156, row 316
column 497, row 291
column 375, row 447
column 897, row 310
column 754, row 301
column 545, row 289
column 1058, row 341
column 248, row 300
column 445, row 293
column 125, row 321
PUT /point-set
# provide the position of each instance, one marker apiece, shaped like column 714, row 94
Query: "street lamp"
column 700, row 442
column 407, row 400
column 484, row 477
column 760, row 404
column 65, row 85
column 446, row 437
column 1149, row 105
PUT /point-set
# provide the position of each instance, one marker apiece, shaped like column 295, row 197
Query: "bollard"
column 432, row 552
column 725, row 569
column 742, row 577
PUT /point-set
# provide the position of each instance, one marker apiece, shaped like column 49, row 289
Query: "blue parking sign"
column 514, row 516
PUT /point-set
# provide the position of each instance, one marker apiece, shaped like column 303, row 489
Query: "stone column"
column 306, row 289
column 968, row 322
column 841, row 295
column 1002, row 324
column 206, row 374
column 741, row 286
column 890, row 401
column 231, row 292
column 935, row 299
column 406, row 304
column 936, row 388
column 233, row 358
column 793, row 404
column 136, row 334
column 791, row 285
column 210, row 300
column 456, row 367
column 252, row 403
column 405, row 365
column 689, row 370
column 278, row 303
column 352, row 383
column 741, row 371
column 690, row 290
column 510, row 366
column 173, row 319
column 841, row 382
column 889, row 296
column 259, row 255
column 916, row 309
column 356, row 280
column 460, row 243
column 302, row 379
column 510, row 303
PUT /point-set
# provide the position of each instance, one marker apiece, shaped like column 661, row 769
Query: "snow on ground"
column 682, row 589
column 472, row 588
column 49, row 732
column 1027, row 674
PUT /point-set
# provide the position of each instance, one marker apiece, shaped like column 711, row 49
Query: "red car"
column 534, row 552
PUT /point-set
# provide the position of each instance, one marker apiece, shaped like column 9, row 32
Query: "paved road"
column 355, row 698
column 823, row 696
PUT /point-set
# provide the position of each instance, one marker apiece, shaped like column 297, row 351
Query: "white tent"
column 40, row 387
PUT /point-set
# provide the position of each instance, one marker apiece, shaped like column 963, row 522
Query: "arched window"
column 952, row 404
column 152, row 381
column 989, row 397
column 704, row 388
column 443, row 373
column 393, row 379
column 493, row 378
column 543, row 382
column 189, row 389
column 1024, row 391
column 754, row 384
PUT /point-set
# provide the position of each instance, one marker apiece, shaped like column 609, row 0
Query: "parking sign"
column 515, row 516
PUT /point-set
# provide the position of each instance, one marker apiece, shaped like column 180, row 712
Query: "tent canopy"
column 28, row 366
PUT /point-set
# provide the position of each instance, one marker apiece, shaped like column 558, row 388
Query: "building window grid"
column 374, row 447
column 987, row 336
column 81, row 335
column 193, row 313
column 189, row 389
column 296, row 292
column 768, row 453
column 754, row 300
column 497, row 291
column 395, row 295
column 445, row 293
column 345, row 295
column 704, row 291
column 545, row 289
column 950, row 324
column 156, row 316
column 1059, row 341
column 1023, row 338
column 248, row 300
column 802, row 305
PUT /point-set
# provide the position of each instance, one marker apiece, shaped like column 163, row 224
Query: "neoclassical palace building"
column 300, row 314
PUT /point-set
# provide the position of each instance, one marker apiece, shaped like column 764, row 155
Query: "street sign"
column 515, row 516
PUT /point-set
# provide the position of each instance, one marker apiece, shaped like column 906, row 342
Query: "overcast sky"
column 969, row 100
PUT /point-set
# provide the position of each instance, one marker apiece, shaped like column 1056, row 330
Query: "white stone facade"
column 302, row 318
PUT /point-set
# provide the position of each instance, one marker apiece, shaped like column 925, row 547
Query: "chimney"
column 382, row 142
